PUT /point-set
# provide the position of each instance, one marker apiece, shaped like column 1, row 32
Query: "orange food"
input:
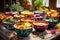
column 19, row 26
column 9, row 17
column 2, row 16
column 53, row 13
column 39, row 23
column 26, row 19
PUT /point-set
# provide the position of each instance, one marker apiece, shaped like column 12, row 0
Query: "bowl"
column 9, row 26
column 26, row 13
column 26, row 19
column 11, row 13
column 52, row 22
column 52, row 25
column 23, row 32
column 40, row 26
column 38, row 15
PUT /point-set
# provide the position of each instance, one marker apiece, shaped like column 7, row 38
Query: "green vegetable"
column 11, row 20
column 16, row 7
column 53, row 20
column 38, row 3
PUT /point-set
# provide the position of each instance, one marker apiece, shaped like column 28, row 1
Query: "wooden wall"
column 1, row 5
column 52, row 5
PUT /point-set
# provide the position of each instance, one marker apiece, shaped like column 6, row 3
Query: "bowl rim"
column 40, row 22
column 22, row 29
column 4, row 21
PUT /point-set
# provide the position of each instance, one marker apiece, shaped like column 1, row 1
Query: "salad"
column 10, row 21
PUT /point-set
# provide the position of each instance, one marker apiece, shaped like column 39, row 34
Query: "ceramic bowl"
column 27, row 19
column 23, row 32
column 40, row 26
column 38, row 15
column 51, row 23
column 9, row 26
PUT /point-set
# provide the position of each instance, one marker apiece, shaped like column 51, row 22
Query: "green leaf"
column 16, row 7
column 38, row 3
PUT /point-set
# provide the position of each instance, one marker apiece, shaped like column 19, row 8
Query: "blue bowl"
column 23, row 32
column 8, row 26
column 52, row 25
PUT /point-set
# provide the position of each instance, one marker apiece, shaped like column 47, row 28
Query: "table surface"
column 34, row 37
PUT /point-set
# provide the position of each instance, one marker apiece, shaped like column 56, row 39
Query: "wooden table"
column 32, row 36
column 47, row 37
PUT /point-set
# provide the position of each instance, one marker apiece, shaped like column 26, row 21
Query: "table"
column 32, row 36
column 47, row 37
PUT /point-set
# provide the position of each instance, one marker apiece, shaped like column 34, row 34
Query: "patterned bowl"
column 23, row 32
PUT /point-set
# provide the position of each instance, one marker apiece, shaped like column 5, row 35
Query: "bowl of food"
column 2, row 17
column 40, row 26
column 53, row 13
column 8, row 23
column 27, row 13
column 27, row 19
column 39, row 12
column 52, row 22
column 23, row 30
column 11, row 13
column 38, row 15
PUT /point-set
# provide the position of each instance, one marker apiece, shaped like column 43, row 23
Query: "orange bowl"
column 26, row 19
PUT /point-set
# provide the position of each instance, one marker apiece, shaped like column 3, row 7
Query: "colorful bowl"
column 38, row 15
column 27, row 19
column 8, row 25
column 52, row 22
column 40, row 26
column 23, row 32
column 26, row 13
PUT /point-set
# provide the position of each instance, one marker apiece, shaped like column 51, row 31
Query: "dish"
column 40, row 26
